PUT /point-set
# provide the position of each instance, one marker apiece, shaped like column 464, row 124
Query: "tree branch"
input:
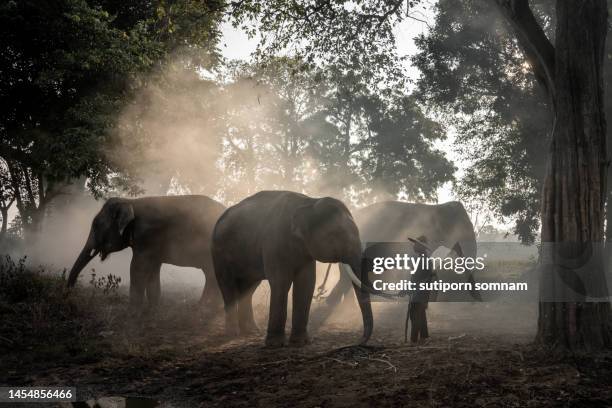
column 17, row 190
column 421, row 20
column 11, row 153
column 538, row 49
column 393, row 9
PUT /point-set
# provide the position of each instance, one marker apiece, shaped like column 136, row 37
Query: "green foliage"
column 68, row 68
column 475, row 77
column 38, row 312
column 356, row 35
column 108, row 285
column 15, row 283
column 382, row 146
column 264, row 109
column 322, row 130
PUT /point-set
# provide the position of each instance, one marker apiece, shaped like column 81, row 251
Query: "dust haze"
column 216, row 135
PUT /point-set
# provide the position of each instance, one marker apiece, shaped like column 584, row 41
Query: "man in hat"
column 420, row 298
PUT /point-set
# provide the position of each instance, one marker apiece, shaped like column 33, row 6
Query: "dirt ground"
column 478, row 356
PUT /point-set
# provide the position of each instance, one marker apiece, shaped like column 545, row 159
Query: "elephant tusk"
column 372, row 291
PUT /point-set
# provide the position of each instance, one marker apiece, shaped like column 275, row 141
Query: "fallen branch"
column 391, row 366
column 274, row 362
column 451, row 338
column 351, row 364
column 7, row 340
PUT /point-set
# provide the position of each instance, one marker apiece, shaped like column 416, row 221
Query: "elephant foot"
column 232, row 328
column 249, row 329
column 364, row 341
column 136, row 306
column 232, row 332
column 211, row 305
column 136, row 312
column 151, row 310
column 299, row 339
column 275, row 341
column 210, row 312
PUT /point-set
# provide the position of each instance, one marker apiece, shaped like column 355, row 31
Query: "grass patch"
column 41, row 320
column 44, row 324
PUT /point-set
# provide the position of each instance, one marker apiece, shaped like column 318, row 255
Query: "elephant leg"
column 139, row 268
column 228, row 290
column 303, row 289
column 211, row 294
column 279, row 291
column 246, row 319
column 153, row 288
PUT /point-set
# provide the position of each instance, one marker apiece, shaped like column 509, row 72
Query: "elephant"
column 445, row 225
column 170, row 229
column 278, row 236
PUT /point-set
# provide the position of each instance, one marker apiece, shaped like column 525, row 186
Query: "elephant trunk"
column 363, row 298
column 87, row 254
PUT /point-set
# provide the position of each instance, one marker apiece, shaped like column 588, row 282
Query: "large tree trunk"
column 608, row 233
column 575, row 186
column 4, row 228
column 608, row 106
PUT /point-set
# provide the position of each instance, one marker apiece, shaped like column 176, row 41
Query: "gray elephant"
column 174, row 229
column 445, row 225
column 278, row 236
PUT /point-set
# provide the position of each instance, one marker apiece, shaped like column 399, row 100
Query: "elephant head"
column 107, row 234
column 330, row 235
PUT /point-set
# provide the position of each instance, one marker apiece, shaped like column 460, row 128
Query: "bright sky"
column 237, row 45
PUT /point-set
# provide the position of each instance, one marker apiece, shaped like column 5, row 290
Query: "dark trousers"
column 418, row 321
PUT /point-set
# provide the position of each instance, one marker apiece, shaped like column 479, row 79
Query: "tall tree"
column 7, row 198
column 572, row 73
column 67, row 68
column 290, row 124
column 262, row 113
column 475, row 78
column 574, row 194
column 384, row 147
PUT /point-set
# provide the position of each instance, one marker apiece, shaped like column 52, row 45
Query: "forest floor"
column 479, row 355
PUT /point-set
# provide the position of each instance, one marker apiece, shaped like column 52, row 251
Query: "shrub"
column 39, row 314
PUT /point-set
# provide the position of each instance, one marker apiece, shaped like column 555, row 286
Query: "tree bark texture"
column 574, row 193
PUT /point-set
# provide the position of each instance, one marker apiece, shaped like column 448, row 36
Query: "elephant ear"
column 124, row 215
column 300, row 220
column 308, row 217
